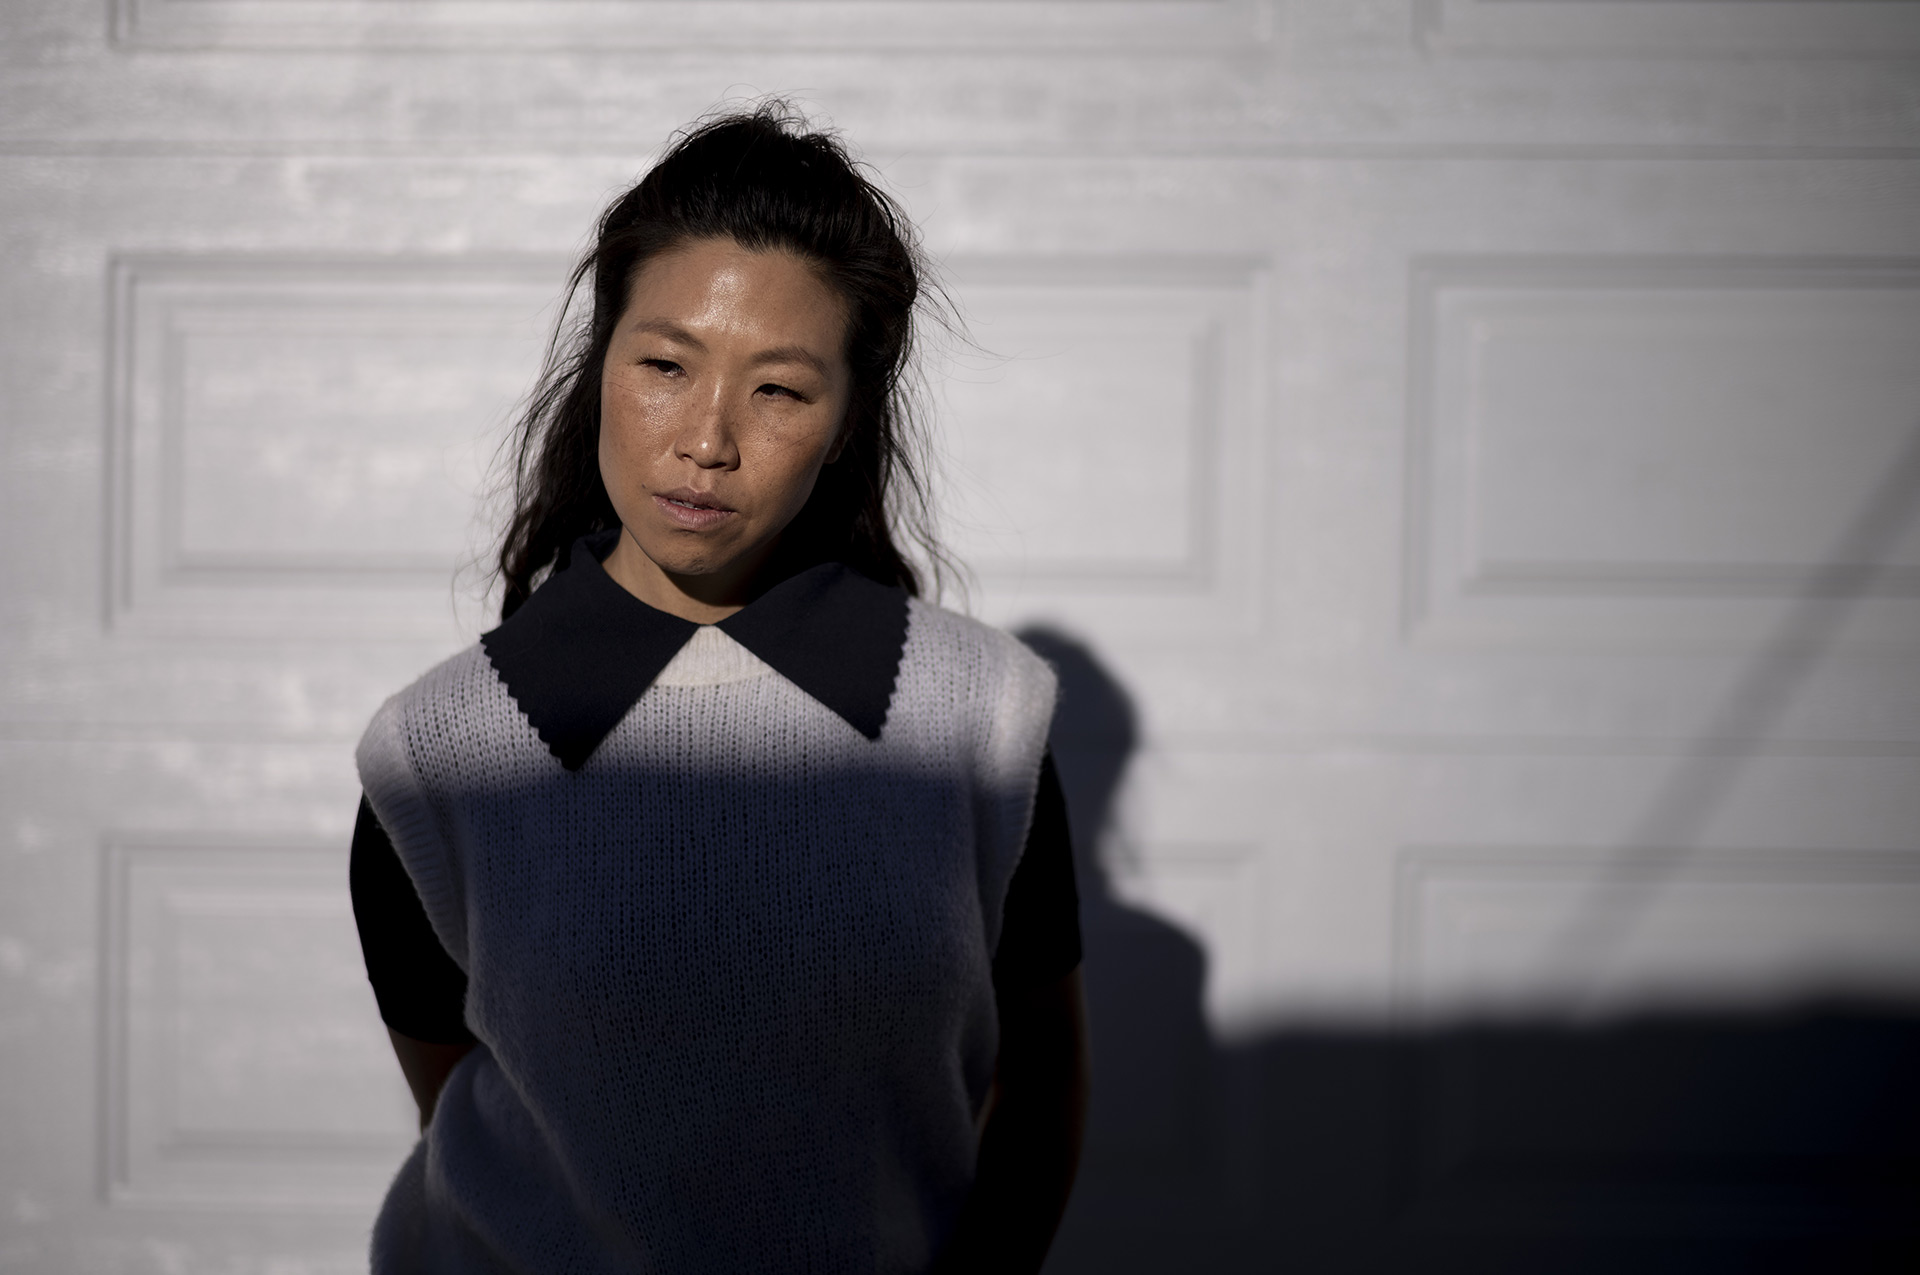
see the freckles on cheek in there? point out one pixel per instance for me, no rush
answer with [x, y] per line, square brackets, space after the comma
[623, 420]
[620, 448]
[632, 413]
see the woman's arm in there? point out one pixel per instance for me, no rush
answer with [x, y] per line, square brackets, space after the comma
[414, 980]
[427, 1066]
[1030, 1145]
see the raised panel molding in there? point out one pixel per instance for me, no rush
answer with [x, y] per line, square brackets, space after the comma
[1861, 28]
[931, 25]
[243, 1065]
[1663, 451]
[1559, 932]
[299, 445]
[1101, 440]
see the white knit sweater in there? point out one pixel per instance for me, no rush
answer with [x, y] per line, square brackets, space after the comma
[730, 978]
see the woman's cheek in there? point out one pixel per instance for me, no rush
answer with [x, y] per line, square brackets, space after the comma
[620, 451]
[628, 421]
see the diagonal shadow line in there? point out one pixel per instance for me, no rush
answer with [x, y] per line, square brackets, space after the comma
[1665, 836]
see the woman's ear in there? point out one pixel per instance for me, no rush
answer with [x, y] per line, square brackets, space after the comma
[839, 442]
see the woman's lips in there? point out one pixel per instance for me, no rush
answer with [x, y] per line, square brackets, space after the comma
[694, 510]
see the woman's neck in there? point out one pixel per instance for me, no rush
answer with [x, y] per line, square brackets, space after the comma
[704, 599]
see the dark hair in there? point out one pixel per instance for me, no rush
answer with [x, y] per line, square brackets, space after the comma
[759, 178]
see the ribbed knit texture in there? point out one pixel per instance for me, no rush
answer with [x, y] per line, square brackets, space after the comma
[730, 979]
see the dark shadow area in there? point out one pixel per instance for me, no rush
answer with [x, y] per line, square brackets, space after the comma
[1780, 1141]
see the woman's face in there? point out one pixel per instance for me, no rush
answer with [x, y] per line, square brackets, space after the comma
[723, 393]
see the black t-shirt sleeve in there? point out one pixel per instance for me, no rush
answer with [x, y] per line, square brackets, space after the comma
[1040, 927]
[421, 992]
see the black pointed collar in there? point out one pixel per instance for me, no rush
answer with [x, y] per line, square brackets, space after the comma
[579, 652]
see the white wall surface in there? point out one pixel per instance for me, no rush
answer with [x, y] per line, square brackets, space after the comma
[1481, 439]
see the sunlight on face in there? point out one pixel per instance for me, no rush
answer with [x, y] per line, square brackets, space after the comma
[722, 395]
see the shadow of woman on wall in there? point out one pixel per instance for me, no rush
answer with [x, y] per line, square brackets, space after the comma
[1148, 1158]
[1781, 1140]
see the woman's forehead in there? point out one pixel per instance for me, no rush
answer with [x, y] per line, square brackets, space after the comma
[715, 290]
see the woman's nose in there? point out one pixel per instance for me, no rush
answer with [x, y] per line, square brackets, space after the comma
[707, 438]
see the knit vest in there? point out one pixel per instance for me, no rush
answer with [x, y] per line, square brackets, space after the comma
[730, 978]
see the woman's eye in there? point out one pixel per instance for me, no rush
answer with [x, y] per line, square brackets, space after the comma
[781, 391]
[667, 366]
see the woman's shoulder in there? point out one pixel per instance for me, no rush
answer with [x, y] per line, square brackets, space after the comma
[448, 678]
[454, 687]
[957, 668]
[949, 637]
[931, 622]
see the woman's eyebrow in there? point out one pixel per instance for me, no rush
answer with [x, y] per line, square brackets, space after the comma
[671, 330]
[778, 354]
[793, 354]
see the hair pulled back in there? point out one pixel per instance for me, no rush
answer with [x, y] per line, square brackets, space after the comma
[760, 178]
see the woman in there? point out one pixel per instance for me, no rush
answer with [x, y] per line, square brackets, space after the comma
[718, 902]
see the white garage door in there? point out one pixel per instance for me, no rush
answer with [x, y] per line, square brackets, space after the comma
[1464, 455]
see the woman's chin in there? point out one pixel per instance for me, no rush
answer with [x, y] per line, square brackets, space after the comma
[693, 562]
